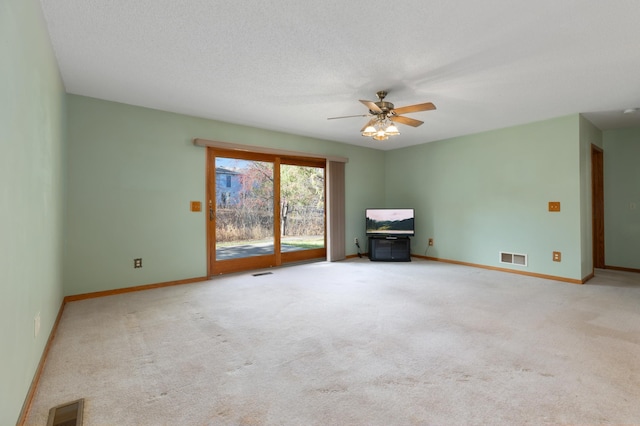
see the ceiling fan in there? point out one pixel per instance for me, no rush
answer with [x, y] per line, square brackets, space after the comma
[384, 115]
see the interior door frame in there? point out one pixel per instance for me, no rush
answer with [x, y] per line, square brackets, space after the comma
[597, 206]
[263, 261]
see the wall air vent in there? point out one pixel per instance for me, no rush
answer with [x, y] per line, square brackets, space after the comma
[513, 258]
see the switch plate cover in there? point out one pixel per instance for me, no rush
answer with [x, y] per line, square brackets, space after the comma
[554, 206]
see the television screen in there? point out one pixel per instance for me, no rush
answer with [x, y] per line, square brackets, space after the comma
[390, 222]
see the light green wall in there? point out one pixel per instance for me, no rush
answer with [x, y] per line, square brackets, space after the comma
[132, 173]
[622, 198]
[32, 197]
[481, 194]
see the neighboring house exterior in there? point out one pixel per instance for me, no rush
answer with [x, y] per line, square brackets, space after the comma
[228, 187]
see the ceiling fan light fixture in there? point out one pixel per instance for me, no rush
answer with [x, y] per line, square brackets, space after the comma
[381, 135]
[392, 130]
[369, 131]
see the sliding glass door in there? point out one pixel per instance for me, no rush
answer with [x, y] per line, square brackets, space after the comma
[244, 208]
[302, 213]
[264, 210]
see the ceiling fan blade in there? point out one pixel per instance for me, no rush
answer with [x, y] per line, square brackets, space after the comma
[405, 120]
[415, 108]
[348, 116]
[372, 106]
[370, 123]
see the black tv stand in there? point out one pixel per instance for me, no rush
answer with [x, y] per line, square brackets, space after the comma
[390, 249]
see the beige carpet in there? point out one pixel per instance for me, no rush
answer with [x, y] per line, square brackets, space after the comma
[354, 343]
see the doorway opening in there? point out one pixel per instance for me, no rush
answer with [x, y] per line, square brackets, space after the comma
[597, 205]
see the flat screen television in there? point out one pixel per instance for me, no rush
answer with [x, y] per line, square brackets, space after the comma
[390, 222]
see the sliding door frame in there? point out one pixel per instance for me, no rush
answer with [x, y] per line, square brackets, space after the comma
[263, 261]
[318, 253]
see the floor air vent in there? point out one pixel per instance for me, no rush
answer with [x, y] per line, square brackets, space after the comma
[513, 258]
[67, 414]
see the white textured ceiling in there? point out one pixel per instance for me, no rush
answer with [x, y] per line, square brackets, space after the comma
[288, 65]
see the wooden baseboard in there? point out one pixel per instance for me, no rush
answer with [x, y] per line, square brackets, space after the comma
[511, 271]
[131, 289]
[620, 268]
[36, 377]
[353, 256]
[588, 277]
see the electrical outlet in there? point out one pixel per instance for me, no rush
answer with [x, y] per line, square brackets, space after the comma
[557, 256]
[430, 241]
[36, 325]
[355, 240]
[137, 263]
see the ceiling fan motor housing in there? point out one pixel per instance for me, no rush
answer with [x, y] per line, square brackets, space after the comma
[386, 107]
